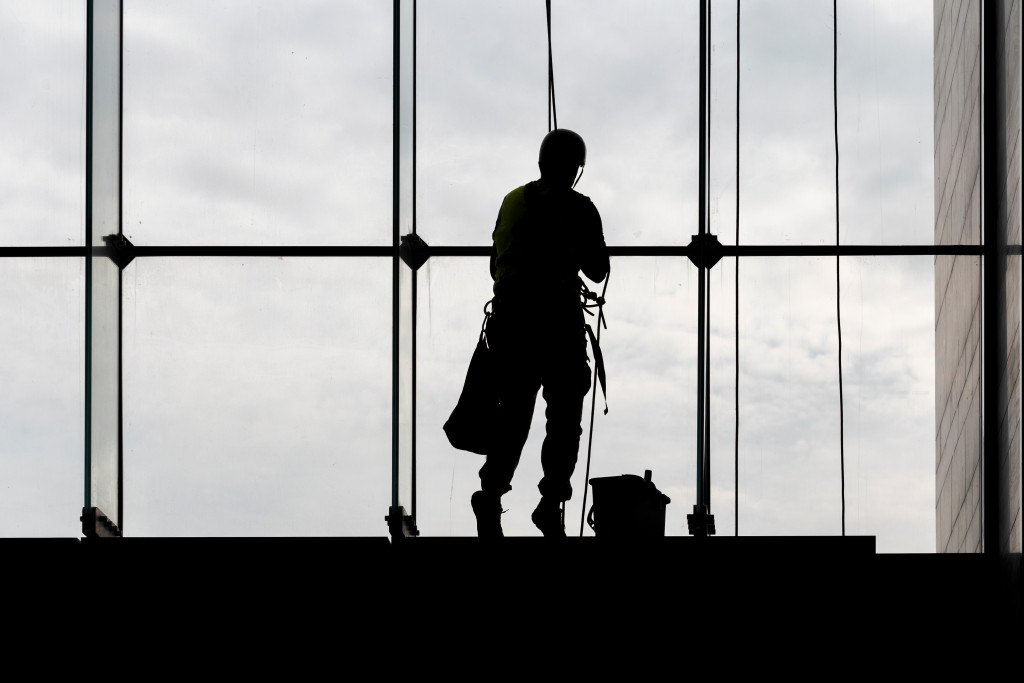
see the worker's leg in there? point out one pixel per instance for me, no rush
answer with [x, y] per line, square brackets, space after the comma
[518, 378]
[516, 414]
[566, 381]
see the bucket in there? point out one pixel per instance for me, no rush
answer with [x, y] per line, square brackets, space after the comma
[627, 506]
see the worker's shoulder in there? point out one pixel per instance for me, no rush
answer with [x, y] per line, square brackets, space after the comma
[567, 195]
[584, 205]
[581, 198]
[516, 195]
[534, 192]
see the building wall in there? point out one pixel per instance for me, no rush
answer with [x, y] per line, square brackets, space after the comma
[959, 474]
[1007, 205]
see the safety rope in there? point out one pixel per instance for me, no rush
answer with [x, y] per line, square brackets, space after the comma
[598, 302]
[707, 383]
[552, 111]
[588, 299]
[839, 324]
[736, 433]
[706, 473]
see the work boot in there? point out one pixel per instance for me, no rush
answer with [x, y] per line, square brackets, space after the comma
[487, 508]
[548, 518]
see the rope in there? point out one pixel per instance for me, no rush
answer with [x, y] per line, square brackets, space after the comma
[599, 303]
[552, 111]
[707, 385]
[707, 298]
[736, 433]
[839, 324]
[601, 322]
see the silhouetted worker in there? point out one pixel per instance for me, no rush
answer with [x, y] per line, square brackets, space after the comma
[546, 233]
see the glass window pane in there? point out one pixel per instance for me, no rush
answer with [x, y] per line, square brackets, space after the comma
[42, 123]
[403, 494]
[649, 349]
[406, 171]
[452, 293]
[889, 400]
[789, 455]
[787, 147]
[722, 124]
[632, 89]
[42, 403]
[404, 486]
[787, 139]
[789, 399]
[722, 347]
[257, 396]
[104, 388]
[106, 121]
[482, 112]
[886, 118]
[258, 122]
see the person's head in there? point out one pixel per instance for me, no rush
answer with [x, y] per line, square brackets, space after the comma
[562, 153]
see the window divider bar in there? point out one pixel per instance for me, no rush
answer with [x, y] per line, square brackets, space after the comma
[379, 251]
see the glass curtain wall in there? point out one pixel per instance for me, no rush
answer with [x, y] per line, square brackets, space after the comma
[257, 323]
[42, 272]
[626, 78]
[269, 162]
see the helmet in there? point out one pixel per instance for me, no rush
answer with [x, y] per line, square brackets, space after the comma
[563, 147]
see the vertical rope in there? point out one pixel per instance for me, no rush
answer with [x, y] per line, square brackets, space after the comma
[593, 402]
[701, 271]
[736, 431]
[707, 392]
[552, 111]
[553, 124]
[553, 119]
[839, 323]
[707, 296]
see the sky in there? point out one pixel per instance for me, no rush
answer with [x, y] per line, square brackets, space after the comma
[257, 392]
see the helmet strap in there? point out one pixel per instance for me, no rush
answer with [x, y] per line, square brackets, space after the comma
[578, 177]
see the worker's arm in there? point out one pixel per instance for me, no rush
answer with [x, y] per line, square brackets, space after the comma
[594, 262]
[494, 248]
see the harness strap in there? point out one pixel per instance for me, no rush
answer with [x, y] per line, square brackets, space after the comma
[488, 312]
[599, 363]
[589, 300]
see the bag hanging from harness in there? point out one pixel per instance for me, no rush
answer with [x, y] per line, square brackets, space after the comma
[473, 424]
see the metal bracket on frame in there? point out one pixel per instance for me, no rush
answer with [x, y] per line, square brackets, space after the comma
[400, 524]
[95, 524]
[119, 242]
